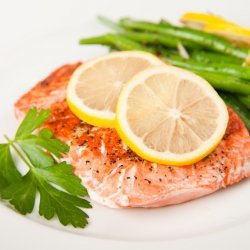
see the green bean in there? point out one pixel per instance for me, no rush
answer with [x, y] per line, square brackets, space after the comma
[163, 51]
[210, 57]
[103, 40]
[158, 39]
[245, 100]
[146, 37]
[237, 106]
[206, 40]
[225, 83]
[222, 68]
[119, 41]
[202, 56]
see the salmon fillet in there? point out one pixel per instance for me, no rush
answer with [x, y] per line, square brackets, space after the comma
[114, 175]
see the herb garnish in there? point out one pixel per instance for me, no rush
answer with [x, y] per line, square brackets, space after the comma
[60, 190]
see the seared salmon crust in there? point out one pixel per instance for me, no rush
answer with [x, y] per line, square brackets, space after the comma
[116, 176]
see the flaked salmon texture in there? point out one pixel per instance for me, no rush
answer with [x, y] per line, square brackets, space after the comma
[114, 175]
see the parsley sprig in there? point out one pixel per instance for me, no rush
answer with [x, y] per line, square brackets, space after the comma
[60, 190]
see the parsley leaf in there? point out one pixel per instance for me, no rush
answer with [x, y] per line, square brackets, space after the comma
[31, 122]
[66, 206]
[34, 146]
[22, 194]
[8, 171]
[38, 157]
[60, 190]
[56, 174]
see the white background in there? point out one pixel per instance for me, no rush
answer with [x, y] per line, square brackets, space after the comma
[21, 20]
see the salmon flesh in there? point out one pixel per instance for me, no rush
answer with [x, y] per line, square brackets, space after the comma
[114, 175]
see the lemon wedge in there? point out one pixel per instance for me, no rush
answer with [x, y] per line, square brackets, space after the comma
[217, 25]
[94, 87]
[171, 116]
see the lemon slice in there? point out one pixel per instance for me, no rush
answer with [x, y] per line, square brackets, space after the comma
[217, 25]
[171, 116]
[94, 87]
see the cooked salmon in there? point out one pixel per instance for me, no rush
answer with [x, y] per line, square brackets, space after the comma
[114, 175]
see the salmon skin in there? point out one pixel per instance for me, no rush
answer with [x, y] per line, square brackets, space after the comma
[114, 175]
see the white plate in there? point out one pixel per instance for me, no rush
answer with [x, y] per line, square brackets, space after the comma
[189, 224]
